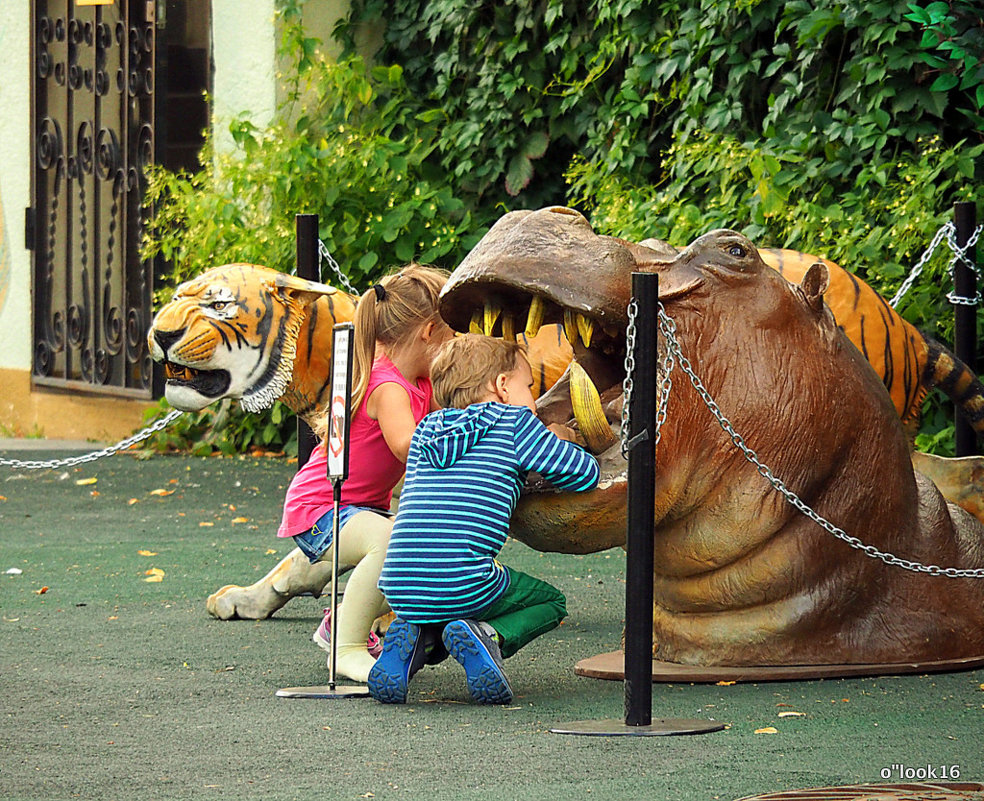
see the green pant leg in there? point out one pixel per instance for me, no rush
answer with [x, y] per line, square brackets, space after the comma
[528, 608]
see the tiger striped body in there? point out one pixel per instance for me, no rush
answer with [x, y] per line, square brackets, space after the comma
[908, 363]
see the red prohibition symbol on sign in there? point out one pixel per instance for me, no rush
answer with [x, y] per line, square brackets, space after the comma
[336, 433]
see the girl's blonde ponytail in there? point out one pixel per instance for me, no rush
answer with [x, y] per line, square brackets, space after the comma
[363, 346]
[388, 313]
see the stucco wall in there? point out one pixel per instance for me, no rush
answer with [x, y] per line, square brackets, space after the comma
[244, 52]
[15, 185]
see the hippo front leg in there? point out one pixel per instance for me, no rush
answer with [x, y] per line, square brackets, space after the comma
[293, 575]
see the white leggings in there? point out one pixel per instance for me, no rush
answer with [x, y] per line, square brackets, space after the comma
[363, 539]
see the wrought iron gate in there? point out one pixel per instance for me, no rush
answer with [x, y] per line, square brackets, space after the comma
[93, 91]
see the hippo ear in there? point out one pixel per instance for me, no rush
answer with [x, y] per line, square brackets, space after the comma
[814, 284]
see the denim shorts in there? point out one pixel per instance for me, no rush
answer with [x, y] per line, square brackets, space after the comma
[317, 539]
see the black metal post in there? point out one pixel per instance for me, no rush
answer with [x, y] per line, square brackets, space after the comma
[639, 546]
[965, 317]
[308, 267]
[641, 483]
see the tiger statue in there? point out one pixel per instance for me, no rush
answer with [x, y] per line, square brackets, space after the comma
[250, 333]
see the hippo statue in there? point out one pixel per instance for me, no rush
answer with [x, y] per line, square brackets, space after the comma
[741, 577]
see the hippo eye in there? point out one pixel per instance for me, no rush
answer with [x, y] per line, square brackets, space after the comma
[738, 251]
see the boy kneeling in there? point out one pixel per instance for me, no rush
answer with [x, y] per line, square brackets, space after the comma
[465, 469]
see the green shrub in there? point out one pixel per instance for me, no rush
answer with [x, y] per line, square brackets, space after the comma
[344, 145]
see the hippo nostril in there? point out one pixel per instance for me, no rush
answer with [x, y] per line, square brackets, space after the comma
[167, 338]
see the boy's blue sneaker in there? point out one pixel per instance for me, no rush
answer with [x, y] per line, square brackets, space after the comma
[403, 655]
[479, 654]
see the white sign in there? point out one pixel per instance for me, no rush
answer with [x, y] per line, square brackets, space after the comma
[341, 395]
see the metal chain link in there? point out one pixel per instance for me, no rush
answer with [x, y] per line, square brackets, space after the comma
[327, 257]
[669, 327]
[630, 339]
[960, 254]
[947, 231]
[33, 464]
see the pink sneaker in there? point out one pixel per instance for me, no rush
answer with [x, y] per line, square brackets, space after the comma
[322, 637]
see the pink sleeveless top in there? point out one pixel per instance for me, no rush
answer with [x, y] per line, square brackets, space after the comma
[373, 469]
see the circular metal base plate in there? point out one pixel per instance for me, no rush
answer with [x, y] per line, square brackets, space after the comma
[324, 691]
[618, 728]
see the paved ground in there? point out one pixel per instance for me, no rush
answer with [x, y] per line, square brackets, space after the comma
[115, 687]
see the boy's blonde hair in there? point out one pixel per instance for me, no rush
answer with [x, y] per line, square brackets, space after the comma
[466, 365]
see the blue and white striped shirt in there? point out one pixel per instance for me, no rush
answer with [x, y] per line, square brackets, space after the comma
[465, 470]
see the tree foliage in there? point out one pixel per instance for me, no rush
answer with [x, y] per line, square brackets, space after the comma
[843, 129]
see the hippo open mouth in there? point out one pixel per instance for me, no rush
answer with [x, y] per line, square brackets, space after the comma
[599, 352]
[209, 383]
[521, 277]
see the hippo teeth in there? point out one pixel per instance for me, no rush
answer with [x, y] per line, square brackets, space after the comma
[585, 327]
[570, 325]
[492, 313]
[508, 328]
[534, 319]
[588, 411]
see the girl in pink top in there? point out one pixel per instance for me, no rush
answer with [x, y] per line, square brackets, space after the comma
[398, 331]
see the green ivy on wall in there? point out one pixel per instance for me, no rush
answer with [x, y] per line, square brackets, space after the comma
[843, 129]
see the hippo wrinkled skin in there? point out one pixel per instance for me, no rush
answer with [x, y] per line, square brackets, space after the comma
[740, 576]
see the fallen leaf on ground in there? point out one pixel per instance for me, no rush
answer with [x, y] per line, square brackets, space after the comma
[272, 551]
[3, 497]
[240, 520]
[94, 493]
[726, 683]
[42, 591]
[792, 714]
[162, 492]
[206, 523]
[132, 501]
[767, 730]
[83, 481]
[155, 574]
[147, 553]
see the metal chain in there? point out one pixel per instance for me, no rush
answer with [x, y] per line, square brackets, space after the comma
[91, 457]
[327, 257]
[668, 327]
[630, 339]
[960, 254]
[947, 231]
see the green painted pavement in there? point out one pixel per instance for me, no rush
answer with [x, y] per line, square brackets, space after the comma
[113, 687]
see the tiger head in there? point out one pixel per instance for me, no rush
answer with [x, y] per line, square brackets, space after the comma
[232, 333]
